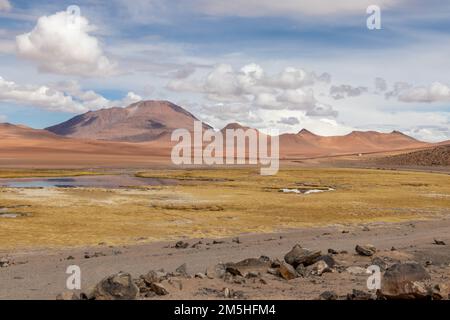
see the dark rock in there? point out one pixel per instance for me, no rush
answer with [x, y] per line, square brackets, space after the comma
[119, 286]
[299, 255]
[404, 281]
[328, 295]
[70, 258]
[367, 250]
[181, 245]
[359, 295]
[332, 251]
[328, 259]
[159, 289]
[377, 261]
[4, 262]
[218, 242]
[439, 242]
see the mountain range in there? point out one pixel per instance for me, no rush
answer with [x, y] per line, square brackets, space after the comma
[143, 130]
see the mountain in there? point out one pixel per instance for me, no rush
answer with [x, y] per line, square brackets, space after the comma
[24, 146]
[139, 122]
[308, 144]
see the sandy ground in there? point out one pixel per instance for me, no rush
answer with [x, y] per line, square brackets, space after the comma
[41, 274]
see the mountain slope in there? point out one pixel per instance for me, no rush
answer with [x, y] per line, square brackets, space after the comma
[307, 144]
[139, 122]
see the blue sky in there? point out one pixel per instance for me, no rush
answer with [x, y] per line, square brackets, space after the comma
[255, 62]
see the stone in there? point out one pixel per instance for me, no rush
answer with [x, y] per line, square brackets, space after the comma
[404, 281]
[328, 295]
[440, 292]
[366, 229]
[377, 261]
[367, 250]
[159, 289]
[218, 271]
[200, 275]
[227, 293]
[356, 270]
[67, 295]
[273, 271]
[119, 286]
[154, 276]
[236, 240]
[4, 262]
[182, 270]
[332, 251]
[302, 271]
[181, 245]
[287, 272]
[439, 242]
[299, 255]
[359, 295]
[319, 268]
[328, 259]
[243, 267]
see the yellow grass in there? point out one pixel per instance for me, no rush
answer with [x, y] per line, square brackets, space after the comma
[215, 203]
[5, 173]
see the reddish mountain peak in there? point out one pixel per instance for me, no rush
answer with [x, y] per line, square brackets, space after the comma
[235, 126]
[306, 132]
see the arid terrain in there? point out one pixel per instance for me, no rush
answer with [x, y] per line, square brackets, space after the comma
[99, 191]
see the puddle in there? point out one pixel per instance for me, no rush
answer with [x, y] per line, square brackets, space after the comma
[106, 181]
[306, 191]
[5, 213]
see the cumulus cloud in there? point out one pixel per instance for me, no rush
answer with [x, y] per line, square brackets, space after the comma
[62, 44]
[436, 92]
[63, 97]
[289, 89]
[344, 91]
[5, 5]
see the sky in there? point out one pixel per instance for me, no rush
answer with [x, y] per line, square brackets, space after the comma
[285, 64]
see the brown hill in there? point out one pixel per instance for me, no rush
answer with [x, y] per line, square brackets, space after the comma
[308, 144]
[139, 122]
[438, 156]
[24, 146]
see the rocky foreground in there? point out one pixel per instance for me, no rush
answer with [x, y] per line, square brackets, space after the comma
[316, 263]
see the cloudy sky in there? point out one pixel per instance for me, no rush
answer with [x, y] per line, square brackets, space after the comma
[289, 64]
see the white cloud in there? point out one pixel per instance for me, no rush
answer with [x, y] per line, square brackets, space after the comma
[287, 90]
[64, 97]
[5, 5]
[3, 118]
[62, 44]
[261, 8]
[436, 92]
[380, 85]
[290, 121]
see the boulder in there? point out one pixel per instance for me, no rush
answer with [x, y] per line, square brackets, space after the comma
[360, 295]
[243, 267]
[404, 281]
[159, 289]
[328, 259]
[377, 261]
[367, 250]
[4, 262]
[319, 268]
[328, 295]
[440, 292]
[181, 245]
[218, 271]
[119, 286]
[299, 255]
[286, 271]
[356, 270]
[182, 270]
[154, 276]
